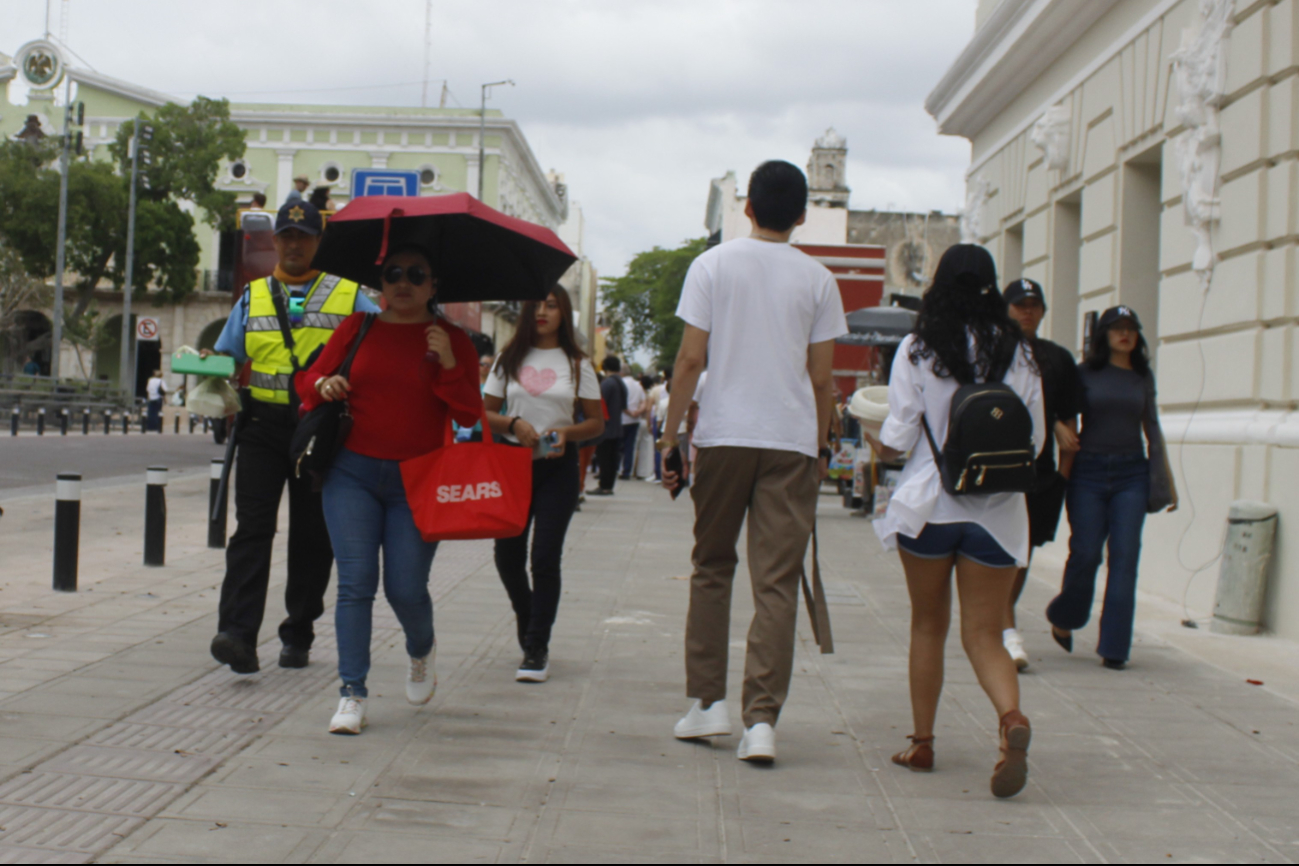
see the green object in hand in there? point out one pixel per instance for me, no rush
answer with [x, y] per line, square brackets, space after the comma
[186, 363]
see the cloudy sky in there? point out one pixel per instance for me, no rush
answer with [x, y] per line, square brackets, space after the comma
[638, 103]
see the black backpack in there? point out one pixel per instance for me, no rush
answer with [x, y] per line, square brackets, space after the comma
[989, 447]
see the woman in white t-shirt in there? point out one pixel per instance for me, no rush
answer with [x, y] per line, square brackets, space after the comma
[963, 332]
[542, 375]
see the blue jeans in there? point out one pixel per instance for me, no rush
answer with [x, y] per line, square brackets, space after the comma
[366, 509]
[1106, 500]
[630, 432]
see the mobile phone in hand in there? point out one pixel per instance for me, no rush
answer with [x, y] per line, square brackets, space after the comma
[674, 463]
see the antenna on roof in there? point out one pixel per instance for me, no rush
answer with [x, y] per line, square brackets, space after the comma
[65, 15]
[428, 53]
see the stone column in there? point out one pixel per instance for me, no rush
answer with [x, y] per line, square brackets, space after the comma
[283, 178]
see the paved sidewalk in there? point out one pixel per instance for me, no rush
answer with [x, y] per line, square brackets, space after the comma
[123, 743]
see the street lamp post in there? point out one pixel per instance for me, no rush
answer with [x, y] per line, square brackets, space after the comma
[482, 130]
[56, 337]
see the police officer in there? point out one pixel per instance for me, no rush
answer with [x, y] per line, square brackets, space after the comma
[311, 304]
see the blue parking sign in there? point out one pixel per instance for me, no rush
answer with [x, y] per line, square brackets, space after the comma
[384, 181]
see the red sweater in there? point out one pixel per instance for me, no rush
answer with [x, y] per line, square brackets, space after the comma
[399, 400]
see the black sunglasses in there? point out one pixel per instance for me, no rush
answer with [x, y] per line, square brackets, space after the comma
[415, 274]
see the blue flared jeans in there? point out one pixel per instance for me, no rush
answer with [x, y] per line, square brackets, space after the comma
[366, 511]
[1106, 501]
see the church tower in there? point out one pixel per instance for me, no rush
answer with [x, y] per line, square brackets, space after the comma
[827, 171]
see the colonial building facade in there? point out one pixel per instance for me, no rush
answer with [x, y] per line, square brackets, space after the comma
[1146, 152]
[326, 144]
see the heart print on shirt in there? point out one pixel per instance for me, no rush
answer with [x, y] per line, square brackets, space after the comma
[537, 382]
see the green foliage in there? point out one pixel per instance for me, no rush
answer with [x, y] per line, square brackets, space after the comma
[641, 305]
[189, 144]
[19, 293]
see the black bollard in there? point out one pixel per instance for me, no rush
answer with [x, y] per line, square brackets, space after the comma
[144, 423]
[67, 531]
[126, 423]
[40, 421]
[14, 420]
[206, 426]
[63, 422]
[216, 509]
[191, 425]
[155, 516]
[85, 422]
[108, 421]
[178, 423]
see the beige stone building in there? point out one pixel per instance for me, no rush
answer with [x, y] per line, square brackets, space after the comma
[1146, 152]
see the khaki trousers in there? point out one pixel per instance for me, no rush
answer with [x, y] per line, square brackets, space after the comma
[777, 490]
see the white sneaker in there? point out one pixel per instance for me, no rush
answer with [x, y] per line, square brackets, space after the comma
[758, 744]
[1015, 646]
[699, 723]
[350, 718]
[422, 679]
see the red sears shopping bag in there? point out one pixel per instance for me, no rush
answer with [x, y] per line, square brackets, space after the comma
[470, 490]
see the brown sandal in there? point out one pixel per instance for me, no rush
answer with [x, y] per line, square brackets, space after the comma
[919, 758]
[1011, 773]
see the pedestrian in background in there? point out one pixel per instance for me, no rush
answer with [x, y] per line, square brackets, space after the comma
[963, 335]
[543, 376]
[631, 423]
[643, 467]
[1027, 305]
[1117, 478]
[31, 368]
[156, 391]
[411, 373]
[614, 394]
[763, 316]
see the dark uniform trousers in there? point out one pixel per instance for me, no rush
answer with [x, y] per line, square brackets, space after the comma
[264, 466]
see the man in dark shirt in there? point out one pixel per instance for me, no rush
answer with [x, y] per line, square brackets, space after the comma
[607, 453]
[1027, 306]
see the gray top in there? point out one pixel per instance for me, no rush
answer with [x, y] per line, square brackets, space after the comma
[1118, 406]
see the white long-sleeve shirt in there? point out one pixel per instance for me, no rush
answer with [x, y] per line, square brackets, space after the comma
[914, 391]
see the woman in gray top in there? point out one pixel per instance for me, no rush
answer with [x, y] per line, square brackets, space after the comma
[1116, 479]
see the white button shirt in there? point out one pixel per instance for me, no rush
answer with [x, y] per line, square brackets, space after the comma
[915, 391]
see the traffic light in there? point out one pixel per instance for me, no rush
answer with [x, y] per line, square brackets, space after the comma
[81, 114]
[145, 153]
[78, 148]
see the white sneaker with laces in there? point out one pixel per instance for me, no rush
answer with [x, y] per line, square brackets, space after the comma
[350, 718]
[699, 723]
[421, 679]
[1015, 646]
[758, 744]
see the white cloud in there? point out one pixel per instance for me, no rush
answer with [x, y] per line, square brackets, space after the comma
[639, 104]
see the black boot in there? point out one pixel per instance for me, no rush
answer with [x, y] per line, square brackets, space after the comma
[230, 650]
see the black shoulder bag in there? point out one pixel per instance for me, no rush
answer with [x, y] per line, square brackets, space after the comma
[322, 432]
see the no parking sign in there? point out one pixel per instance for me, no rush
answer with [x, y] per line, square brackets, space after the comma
[146, 329]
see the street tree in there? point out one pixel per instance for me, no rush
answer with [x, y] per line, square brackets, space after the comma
[641, 305]
[20, 295]
[189, 143]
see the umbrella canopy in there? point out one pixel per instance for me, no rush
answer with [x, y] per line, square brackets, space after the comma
[478, 253]
[878, 326]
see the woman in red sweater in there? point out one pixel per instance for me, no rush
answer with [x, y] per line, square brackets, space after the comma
[412, 371]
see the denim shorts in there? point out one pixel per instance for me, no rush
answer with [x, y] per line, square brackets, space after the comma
[941, 540]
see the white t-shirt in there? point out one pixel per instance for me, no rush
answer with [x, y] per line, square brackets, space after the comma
[635, 399]
[762, 304]
[543, 394]
[699, 388]
[914, 391]
[156, 388]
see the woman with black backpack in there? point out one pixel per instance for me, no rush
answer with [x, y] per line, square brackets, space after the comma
[959, 504]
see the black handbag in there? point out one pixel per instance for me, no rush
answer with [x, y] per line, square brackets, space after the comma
[323, 431]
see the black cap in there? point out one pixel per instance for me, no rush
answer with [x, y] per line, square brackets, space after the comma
[1113, 314]
[301, 215]
[1024, 290]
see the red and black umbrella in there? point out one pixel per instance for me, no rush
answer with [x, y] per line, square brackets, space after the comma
[478, 253]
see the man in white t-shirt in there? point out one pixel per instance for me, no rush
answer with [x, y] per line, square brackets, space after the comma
[631, 418]
[764, 317]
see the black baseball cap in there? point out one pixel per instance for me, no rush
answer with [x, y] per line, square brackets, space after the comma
[1113, 314]
[300, 215]
[1024, 290]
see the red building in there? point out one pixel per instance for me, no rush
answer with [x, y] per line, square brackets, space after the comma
[859, 270]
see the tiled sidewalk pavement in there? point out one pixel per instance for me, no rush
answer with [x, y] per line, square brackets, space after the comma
[1172, 760]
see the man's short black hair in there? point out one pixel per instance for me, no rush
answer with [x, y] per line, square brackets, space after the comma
[778, 192]
[611, 364]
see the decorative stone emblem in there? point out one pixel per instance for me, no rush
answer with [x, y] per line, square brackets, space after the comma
[976, 200]
[40, 64]
[1051, 135]
[1200, 70]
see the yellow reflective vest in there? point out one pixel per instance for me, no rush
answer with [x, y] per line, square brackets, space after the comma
[329, 301]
